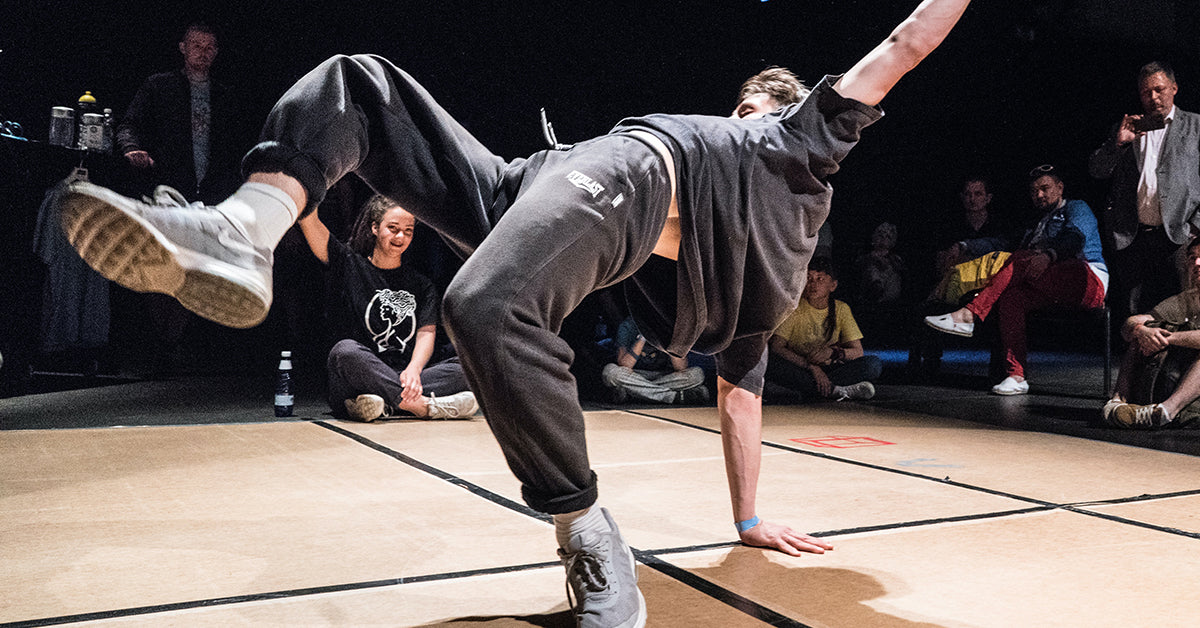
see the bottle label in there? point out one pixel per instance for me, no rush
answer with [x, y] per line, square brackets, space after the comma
[284, 400]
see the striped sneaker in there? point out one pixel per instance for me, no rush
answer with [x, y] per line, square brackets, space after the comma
[1137, 417]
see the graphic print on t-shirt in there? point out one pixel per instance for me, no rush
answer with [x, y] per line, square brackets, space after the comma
[386, 316]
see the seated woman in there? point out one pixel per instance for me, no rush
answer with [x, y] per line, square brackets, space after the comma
[818, 349]
[384, 316]
[1058, 264]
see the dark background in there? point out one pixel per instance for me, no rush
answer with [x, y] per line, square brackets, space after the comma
[1018, 83]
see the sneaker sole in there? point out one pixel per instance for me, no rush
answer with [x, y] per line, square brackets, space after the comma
[128, 250]
[366, 410]
[640, 620]
[1116, 421]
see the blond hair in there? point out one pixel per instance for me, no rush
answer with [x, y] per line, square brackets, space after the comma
[778, 83]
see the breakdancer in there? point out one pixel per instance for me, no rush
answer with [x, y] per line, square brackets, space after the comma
[711, 220]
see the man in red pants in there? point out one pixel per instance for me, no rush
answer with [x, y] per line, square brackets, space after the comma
[1059, 264]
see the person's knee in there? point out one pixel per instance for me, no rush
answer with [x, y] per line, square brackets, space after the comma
[471, 312]
[340, 351]
[611, 375]
[693, 375]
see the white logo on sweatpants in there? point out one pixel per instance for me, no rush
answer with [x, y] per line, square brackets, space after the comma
[585, 183]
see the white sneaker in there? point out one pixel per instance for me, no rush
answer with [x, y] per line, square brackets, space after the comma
[457, 406]
[602, 581]
[1011, 386]
[366, 407]
[946, 324]
[191, 252]
[861, 390]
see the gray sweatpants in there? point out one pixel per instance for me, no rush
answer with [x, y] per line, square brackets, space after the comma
[574, 221]
[354, 369]
[653, 386]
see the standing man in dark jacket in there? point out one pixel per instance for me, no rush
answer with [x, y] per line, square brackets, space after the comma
[178, 130]
[1153, 160]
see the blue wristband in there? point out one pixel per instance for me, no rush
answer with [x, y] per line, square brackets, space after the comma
[742, 526]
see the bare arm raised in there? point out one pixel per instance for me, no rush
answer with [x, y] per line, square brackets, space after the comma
[874, 76]
[317, 235]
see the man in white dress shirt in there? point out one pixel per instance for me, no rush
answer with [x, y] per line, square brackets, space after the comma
[1153, 160]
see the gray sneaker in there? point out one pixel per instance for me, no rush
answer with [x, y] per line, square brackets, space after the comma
[457, 406]
[366, 407]
[602, 581]
[861, 390]
[191, 252]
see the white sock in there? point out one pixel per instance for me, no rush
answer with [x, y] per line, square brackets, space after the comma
[265, 211]
[581, 523]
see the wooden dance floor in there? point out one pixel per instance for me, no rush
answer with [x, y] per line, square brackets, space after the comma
[937, 523]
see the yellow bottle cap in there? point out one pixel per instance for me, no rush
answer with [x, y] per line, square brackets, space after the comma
[87, 97]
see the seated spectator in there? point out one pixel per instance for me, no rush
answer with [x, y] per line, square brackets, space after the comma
[1058, 264]
[880, 270]
[974, 232]
[1159, 381]
[643, 373]
[817, 350]
[384, 318]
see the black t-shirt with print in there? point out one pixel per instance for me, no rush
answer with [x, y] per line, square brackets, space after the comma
[382, 309]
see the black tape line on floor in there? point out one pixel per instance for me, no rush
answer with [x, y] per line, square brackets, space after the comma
[1045, 505]
[438, 473]
[1145, 497]
[274, 595]
[1133, 522]
[717, 592]
[858, 463]
[721, 594]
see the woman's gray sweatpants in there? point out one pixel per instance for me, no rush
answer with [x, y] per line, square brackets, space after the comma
[354, 369]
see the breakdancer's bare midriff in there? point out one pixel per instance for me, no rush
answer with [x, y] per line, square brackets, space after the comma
[668, 241]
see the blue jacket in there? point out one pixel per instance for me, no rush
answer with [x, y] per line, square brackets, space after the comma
[1071, 231]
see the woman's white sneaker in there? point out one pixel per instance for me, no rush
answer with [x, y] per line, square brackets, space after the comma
[457, 406]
